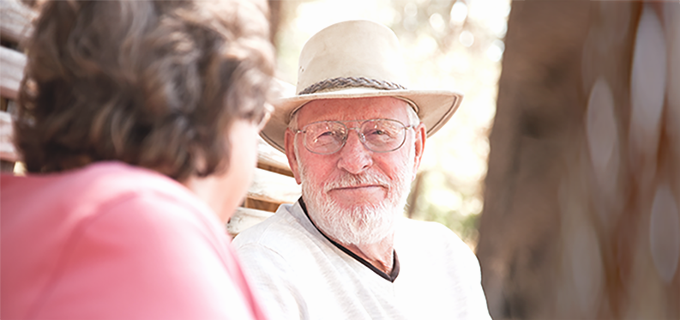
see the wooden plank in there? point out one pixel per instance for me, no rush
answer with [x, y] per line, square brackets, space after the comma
[271, 159]
[12, 65]
[15, 21]
[245, 218]
[273, 187]
[7, 151]
[261, 205]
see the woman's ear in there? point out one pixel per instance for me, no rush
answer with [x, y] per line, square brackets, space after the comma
[289, 143]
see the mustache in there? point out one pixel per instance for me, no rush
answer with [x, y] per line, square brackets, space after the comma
[348, 180]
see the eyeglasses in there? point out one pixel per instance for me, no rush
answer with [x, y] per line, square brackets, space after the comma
[377, 135]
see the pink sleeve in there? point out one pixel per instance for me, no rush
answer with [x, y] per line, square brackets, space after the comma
[146, 257]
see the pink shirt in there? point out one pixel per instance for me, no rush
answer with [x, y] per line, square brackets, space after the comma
[112, 241]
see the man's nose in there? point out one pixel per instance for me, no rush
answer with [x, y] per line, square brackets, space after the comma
[354, 156]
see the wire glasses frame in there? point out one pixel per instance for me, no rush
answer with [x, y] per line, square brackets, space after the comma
[377, 135]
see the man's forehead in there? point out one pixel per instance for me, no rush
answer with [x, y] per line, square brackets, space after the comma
[353, 109]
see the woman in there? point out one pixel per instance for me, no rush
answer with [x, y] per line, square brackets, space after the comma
[138, 126]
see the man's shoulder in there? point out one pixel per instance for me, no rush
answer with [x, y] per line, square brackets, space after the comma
[428, 235]
[432, 245]
[280, 232]
[424, 229]
[281, 247]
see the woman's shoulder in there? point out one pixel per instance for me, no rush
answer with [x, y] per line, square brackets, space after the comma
[133, 230]
[101, 196]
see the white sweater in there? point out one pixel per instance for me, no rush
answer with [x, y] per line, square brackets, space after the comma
[299, 274]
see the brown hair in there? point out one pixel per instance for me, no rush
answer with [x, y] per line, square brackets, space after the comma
[150, 83]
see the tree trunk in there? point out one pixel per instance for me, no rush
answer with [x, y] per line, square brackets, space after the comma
[580, 217]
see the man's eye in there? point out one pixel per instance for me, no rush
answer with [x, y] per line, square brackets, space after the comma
[379, 132]
[327, 136]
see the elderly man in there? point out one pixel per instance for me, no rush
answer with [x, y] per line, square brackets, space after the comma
[354, 138]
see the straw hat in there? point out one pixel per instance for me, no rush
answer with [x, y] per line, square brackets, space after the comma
[356, 59]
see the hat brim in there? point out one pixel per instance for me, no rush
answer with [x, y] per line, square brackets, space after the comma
[435, 108]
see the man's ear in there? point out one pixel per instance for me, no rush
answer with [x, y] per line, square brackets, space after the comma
[289, 143]
[420, 138]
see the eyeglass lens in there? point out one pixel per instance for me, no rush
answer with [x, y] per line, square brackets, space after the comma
[378, 135]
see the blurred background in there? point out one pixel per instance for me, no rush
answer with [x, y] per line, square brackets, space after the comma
[561, 167]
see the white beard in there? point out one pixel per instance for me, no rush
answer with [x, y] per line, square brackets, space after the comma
[360, 225]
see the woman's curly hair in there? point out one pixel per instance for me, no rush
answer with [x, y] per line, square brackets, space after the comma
[150, 83]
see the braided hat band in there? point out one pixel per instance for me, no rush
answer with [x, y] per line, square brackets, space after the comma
[351, 82]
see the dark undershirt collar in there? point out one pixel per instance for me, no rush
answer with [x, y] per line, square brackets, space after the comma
[395, 261]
